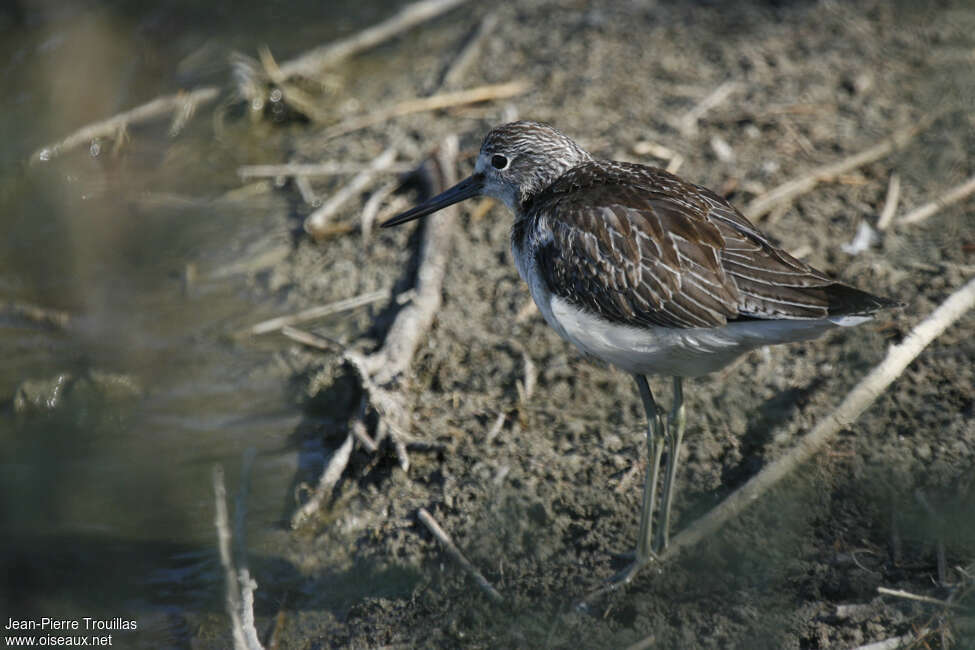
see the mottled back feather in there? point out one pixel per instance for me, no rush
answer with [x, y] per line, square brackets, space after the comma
[637, 245]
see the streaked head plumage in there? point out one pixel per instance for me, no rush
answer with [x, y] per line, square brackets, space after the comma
[517, 161]
[520, 159]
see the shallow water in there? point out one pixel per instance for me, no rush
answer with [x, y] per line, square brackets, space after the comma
[107, 506]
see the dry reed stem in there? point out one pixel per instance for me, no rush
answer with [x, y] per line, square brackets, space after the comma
[183, 104]
[54, 318]
[240, 586]
[895, 642]
[789, 191]
[371, 208]
[955, 194]
[329, 478]
[900, 593]
[457, 556]
[317, 222]
[432, 103]
[274, 324]
[687, 124]
[311, 340]
[328, 168]
[316, 60]
[182, 101]
[890, 202]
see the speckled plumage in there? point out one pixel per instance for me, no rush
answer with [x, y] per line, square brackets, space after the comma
[639, 246]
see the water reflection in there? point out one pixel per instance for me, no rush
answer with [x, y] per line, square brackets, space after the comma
[110, 421]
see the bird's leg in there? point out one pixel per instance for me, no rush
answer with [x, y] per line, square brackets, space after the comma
[655, 448]
[675, 435]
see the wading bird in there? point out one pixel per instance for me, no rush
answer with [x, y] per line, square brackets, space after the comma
[649, 273]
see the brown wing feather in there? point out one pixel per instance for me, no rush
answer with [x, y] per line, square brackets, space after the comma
[639, 246]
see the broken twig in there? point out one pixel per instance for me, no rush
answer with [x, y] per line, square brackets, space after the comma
[317, 221]
[789, 191]
[432, 103]
[313, 169]
[890, 202]
[371, 209]
[330, 477]
[894, 643]
[182, 101]
[313, 313]
[314, 61]
[54, 318]
[953, 195]
[240, 586]
[900, 593]
[311, 340]
[458, 557]
[687, 124]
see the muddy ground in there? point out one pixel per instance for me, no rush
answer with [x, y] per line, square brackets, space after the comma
[546, 508]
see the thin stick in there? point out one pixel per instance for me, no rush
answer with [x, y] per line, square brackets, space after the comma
[306, 191]
[274, 324]
[40, 315]
[238, 595]
[647, 147]
[247, 588]
[314, 61]
[457, 556]
[675, 163]
[387, 404]
[317, 221]
[371, 209]
[113, 125]
[531, 376]
[762, 205]
[900, 593]
[495, 429]
[890, 203]
[222, 522]
[644, 643]
[432, 103]
[311, 340]
[953, 195]
[892, 643]
[359, 431]
[687, 124]
[313, 169]
[261, 260]
[861, 397]
[333, 472]
[184, 103]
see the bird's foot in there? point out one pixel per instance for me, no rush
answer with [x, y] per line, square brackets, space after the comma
[617, 581]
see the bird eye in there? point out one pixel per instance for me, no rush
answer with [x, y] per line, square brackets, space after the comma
[499, 162]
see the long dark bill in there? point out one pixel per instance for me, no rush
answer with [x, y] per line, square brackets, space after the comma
[470, 186]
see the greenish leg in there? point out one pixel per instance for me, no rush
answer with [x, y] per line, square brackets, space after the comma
[655, 448]
[675, 436]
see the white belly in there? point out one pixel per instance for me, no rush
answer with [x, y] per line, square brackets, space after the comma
[655, 350]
